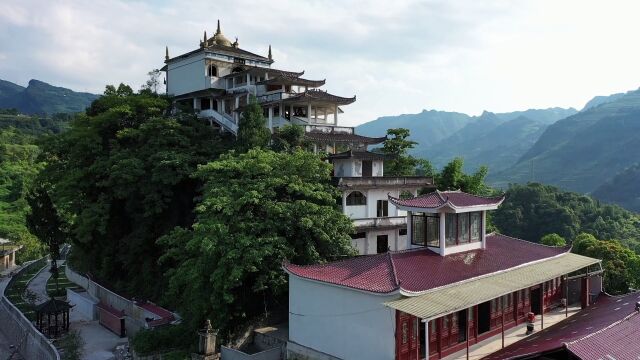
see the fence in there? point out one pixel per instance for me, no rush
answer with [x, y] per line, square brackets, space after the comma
[31, 343]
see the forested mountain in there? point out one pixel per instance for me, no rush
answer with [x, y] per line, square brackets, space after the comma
[497, 140]
[622, 189]
[41, 98]
[585, 150]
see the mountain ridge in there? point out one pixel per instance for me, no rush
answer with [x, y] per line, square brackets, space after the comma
[40, 97]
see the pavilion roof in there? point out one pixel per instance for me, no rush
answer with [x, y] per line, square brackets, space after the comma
[292, 79]
[53, 306]
[359, 154]
[340, 137]
[420, 270]
[261, 70]
[319, 95]
[446, 199]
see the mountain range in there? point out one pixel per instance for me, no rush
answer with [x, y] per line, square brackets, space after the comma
[595, 150]
[41, 98]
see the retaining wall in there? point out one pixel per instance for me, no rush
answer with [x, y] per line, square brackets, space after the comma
[31, 343]
[135, 315]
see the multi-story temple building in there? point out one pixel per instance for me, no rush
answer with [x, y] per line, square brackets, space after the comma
[380, 225]
[454, 287]
[218, 78]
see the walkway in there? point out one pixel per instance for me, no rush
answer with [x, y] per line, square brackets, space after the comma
[38, 286]
[100, 343]
[517, 333]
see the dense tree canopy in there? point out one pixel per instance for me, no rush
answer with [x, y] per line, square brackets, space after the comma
[533, 210]
[553, 239]
[397, 146]
[252, 130]
[452, 177]
[258, 209]
[123, 174]
[621, 265]
[18, 169]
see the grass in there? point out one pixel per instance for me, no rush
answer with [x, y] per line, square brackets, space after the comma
[18, 287]
[63, 282]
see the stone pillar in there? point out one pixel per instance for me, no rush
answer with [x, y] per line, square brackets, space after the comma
[443, 231]
[409, 229]
[206, 343]
[309, 112]
[195, 103]
[271, 118]
[248, 79]
[335, 115]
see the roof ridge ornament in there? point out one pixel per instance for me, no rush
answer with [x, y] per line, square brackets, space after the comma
[270, 57]
[166, 53]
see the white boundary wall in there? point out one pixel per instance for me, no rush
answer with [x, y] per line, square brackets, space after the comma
[33, 345]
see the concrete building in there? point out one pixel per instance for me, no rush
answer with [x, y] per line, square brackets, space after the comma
[454, 287]
[380, 225]
[218, 79]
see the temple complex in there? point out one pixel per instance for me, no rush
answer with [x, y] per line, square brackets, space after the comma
[455, 286]
[218, 78]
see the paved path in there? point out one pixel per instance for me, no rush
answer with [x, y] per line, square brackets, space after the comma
[38, 285]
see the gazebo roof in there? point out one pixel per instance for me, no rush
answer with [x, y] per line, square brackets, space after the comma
[53, 306]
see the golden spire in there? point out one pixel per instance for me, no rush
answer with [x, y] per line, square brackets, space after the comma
[166, 53]
[270, 57]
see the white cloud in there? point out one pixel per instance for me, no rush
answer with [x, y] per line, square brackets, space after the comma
[396, 56]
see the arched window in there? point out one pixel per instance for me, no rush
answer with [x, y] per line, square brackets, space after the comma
[212, 70]
[356, 198]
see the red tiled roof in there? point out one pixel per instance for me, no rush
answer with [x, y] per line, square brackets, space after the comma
[594, 332]
[421, 269]
[453, 199]
[621, 340]
[329, 137]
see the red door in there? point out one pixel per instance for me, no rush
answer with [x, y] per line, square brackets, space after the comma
[407, 342]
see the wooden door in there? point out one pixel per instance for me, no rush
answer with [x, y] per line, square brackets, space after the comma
[407, 342]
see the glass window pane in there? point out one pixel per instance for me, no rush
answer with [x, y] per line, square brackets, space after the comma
[418, 229]
[463, 226]
[433, 231]
[450, 222]
[475, 226]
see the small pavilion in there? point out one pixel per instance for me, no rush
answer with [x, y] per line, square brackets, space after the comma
[52, 317]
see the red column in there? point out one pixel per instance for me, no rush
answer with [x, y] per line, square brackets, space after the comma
[585, 292]
[542, 306]
[502, 303]
[467, 330]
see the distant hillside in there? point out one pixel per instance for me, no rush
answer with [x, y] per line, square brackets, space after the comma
[496, 140]
[622, 189]
[41, 98]
[599, 100]
[585, 150]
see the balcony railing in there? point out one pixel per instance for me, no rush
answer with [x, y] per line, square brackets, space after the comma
[383, 181]
[329, 129]
[380, 222]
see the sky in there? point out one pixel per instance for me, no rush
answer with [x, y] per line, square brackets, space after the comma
[395, 56]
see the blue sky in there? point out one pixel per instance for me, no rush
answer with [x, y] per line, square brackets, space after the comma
[396, 56]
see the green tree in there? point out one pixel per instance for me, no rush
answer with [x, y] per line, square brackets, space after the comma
[289, 138]
[452, 177]
[122, 173]
[153, 82]
[621, 265]
[553, 239]
[252, 130]
[258, 209]
[397, 146]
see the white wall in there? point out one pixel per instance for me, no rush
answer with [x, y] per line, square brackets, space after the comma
[340, 322]
[187, 75]
[377, 168]
[345, 168]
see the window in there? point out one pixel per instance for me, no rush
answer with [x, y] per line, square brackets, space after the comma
[433, 231]
[451, 225]
[212, 70]
[418, 229]
[360, 235]
[356, 198]
[402, 232]
[475, 226]
[463, 228]
[383, 208]
[405, 332]
[382, 245]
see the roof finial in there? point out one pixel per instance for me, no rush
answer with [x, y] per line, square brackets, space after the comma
[218, 29]
[166, 53]
[236, 44]
[269, 56]
[205, 38]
